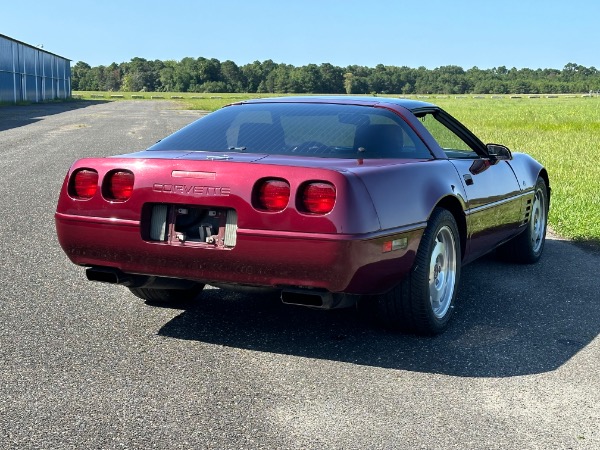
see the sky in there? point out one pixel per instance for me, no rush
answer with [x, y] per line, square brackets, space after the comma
[430, 33]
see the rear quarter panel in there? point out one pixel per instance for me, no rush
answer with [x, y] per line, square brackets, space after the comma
[405, 194]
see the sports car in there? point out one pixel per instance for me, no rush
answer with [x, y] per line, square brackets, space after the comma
[331, 201]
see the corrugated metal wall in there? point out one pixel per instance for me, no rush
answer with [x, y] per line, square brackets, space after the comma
[31, 74]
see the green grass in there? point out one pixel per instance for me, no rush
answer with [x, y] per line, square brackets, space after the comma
[562, 133]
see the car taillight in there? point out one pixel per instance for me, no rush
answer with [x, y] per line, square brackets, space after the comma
[273, 195]
[118, 185]
[318, 197]
[84, 183]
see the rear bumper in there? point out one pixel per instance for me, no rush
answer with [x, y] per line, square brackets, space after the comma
[354, 264]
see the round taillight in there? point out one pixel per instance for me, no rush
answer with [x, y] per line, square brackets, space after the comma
[119, 185]
[84, 183]
[318, 197]
[273, 195]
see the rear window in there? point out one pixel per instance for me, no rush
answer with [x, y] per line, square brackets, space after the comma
[323, 130]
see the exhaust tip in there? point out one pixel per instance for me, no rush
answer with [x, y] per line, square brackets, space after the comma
[302, 298]
[102, 275]
[317, 299]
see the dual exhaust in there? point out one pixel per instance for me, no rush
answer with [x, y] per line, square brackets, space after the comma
[116, 276]
[291, 296]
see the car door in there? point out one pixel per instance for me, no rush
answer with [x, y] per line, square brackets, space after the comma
[494, 201]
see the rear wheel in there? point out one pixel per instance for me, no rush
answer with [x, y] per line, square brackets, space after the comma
[424, 301]
[168, 296]
[527, 247]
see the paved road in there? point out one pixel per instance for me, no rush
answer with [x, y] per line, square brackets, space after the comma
[85, 365]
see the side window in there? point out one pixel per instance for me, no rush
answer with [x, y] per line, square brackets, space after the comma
[452, 144]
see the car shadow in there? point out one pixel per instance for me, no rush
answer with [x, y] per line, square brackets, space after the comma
[591, 245]
[15, 116]
[510, 320]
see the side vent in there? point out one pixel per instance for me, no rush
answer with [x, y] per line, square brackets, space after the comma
[158, 225]
[527, 212]
[230, 228]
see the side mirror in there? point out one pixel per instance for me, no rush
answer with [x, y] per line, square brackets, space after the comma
[499, 152]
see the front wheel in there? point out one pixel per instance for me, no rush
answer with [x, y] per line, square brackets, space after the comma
[527, 247]
[423, 302]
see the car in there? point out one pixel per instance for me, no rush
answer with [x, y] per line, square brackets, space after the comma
[333, 201]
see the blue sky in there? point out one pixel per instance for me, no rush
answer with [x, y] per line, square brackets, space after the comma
[486, 34]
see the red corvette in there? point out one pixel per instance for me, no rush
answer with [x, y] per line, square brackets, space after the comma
[326, 199]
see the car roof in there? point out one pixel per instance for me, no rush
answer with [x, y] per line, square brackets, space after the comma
[344, 100]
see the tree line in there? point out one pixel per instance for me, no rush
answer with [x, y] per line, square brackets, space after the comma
[211, 76]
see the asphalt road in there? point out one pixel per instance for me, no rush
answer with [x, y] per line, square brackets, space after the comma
[86, 365]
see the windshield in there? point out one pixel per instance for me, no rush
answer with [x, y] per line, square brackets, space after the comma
[323, 130]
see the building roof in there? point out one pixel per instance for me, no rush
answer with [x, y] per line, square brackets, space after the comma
[31, 46]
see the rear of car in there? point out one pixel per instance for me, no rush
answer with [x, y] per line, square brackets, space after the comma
[261, 194]
[328, 200]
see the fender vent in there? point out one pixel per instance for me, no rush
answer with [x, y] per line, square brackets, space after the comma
[527, 212]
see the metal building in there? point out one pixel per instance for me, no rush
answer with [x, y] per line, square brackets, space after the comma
[31, 74]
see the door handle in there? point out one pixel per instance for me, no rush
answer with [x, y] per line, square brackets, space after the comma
[468, 179]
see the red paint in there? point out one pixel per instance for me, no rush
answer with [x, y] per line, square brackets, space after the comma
[302, 221]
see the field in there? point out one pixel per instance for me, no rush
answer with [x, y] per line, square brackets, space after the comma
[562, 133]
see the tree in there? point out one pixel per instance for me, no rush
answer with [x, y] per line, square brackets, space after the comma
[209, 69]
[279, 80]
[309, 79]
[232, 76]
[141, 74]
[210, 75]
[253, 74]
[78, 75]
[379, 80]
[113, 78]
[185, 75]
[348, 82]
[167, 76]
[332, 79]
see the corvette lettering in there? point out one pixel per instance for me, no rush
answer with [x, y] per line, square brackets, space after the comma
[187, 189]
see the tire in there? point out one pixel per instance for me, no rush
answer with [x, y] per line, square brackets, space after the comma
[423, 302]
[527, 247]
[166, 297]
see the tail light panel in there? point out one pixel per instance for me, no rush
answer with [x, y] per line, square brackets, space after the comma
[118, 185]
[316, 197]
[83, 184]
[271, 194]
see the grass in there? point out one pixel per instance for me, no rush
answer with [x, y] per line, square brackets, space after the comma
[562, 133]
